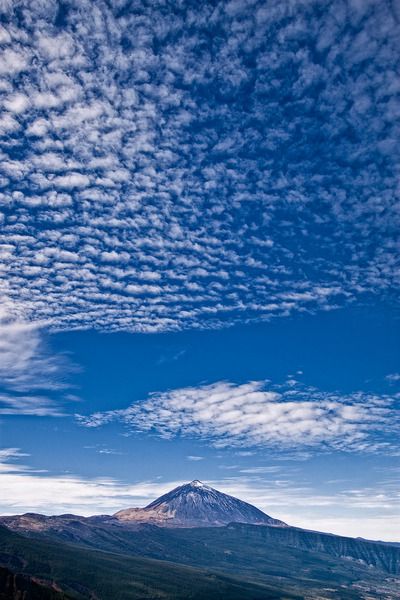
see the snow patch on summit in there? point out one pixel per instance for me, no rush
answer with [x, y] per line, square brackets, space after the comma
[198, 484]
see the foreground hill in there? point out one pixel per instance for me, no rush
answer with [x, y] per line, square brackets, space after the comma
[80, 574]
[254, 554]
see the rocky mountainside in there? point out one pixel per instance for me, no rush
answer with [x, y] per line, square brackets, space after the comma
[197, 505]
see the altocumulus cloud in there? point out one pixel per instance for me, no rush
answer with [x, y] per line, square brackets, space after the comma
[260, 414]
[171, 165]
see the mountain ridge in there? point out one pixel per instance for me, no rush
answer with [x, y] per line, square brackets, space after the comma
[285, 559]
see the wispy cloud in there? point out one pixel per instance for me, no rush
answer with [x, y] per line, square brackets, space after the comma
[393, 377]
[24, 489]
[25, 362]
[260, 470]
[260, 414]
[166, 358]
[151, 181]
[7, 456]
[29, 372]
[40, 406]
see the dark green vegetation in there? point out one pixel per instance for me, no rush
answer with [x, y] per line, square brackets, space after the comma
[82, 573]
[89, 558]
[14, 586]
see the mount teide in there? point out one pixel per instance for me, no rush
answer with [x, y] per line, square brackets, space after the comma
[197, 505]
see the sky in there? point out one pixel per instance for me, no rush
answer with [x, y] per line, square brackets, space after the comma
[199, 266]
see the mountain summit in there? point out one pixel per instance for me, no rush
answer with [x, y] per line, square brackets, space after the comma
[195, 504]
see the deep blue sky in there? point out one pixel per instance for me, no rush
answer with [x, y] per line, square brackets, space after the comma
[199, 212]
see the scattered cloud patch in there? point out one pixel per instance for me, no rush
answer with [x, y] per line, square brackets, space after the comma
[393, 377]
[261, 414]
[166, 358]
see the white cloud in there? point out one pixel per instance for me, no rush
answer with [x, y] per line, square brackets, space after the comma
[60, 46]
[38, 127]
[17, 103]
[72, 180]
[259, 414]
[8, 124]
[13, 61]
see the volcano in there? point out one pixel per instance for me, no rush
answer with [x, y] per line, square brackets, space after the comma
[195, 504]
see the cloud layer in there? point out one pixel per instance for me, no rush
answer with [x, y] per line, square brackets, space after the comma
[260, 414]
[170, 166]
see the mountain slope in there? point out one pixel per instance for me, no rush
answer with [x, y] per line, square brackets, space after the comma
[194, 505]
[83, 574]
[182, 544]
